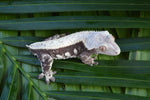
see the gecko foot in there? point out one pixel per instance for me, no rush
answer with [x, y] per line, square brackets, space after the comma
[91, 62]
[48, 76]
[95, 63]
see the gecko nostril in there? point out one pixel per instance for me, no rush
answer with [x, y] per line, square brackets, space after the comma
[117, 52]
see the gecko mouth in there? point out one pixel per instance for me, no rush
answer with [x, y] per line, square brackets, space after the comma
[117, 52]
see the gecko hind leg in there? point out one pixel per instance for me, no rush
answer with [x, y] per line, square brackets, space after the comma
[46, 64]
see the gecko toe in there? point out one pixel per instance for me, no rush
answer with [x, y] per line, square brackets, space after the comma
[49, 76]
[41, 76]
[47, 81]
[54, 72]
[95, 63]
[53, 79]
[95, 58]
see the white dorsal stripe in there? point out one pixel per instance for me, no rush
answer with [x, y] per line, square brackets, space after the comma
[91, 39]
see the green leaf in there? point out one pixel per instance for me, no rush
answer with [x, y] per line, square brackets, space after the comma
[17, 66]
[121, 80]
[1, 63]
[108, 66]
[1, 74]
[105, 66]
[27, 91]
[28, 59]
[73, 5]
[15, 91]
[133, 44]
[79, 95]
[8, 90]
[140, 55]
[74, 22]
[21, 41]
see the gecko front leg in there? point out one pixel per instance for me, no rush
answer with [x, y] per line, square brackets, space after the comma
[87, 59]
[46, 64]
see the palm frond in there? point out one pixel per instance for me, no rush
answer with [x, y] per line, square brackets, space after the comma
[73, 5]
[17, 66]
[25, 22]
[73, 95]
[74, 22]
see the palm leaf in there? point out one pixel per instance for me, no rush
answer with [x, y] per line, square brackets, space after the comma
[73, 5]
[1, 64]
[74, 22]
[140, 55]
[27, 92]
[10, 83]
[23, 72]
[133, 44]
[128, 76]
[72, 95]
[21, 41]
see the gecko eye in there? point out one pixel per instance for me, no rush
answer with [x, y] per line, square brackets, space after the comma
[103, 48]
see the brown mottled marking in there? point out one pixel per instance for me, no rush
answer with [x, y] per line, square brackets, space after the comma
[46, 62]
[82, 53]
[61, 51]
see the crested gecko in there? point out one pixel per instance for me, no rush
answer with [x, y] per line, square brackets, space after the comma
[80, 44]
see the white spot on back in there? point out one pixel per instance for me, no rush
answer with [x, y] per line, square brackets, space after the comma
[35, 54]
[59, 56]
[67, 54]
[75, 51]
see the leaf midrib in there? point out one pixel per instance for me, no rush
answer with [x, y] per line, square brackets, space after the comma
[15, 69]
[78, 21]
[92, 3]
[82, 96]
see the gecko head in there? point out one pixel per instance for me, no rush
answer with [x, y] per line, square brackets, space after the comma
[109, 46]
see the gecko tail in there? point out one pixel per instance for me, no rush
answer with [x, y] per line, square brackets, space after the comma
[28, 46]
